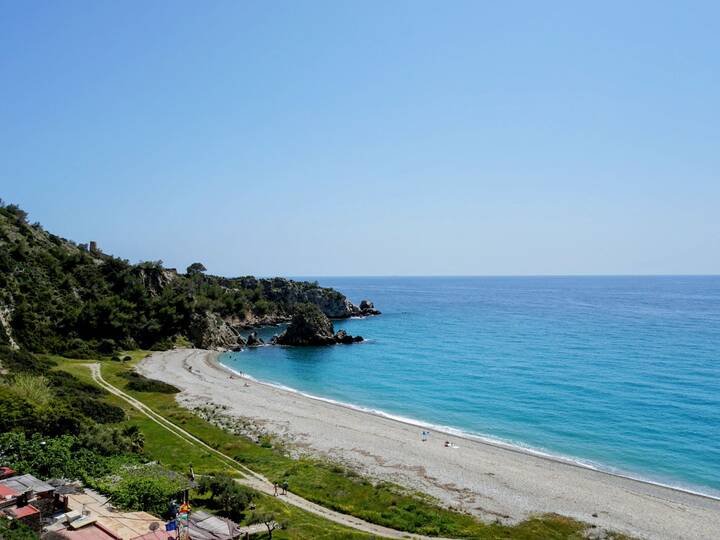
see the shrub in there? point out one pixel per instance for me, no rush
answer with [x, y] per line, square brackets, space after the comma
[15, 530]
[144, 488]
[227, 494]
[99, 411]
[23, 361]
[140, 383]
[33, 388]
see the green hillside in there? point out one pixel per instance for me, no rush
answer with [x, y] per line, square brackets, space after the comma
[60, 297]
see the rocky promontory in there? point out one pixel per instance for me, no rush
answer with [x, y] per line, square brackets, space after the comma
[108, 305]
[209, 331]
[287, 293]
[310, 326]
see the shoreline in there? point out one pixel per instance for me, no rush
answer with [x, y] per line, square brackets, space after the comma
[460, 434]
[492, 480]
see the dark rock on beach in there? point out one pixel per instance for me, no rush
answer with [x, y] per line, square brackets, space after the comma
[310, 326]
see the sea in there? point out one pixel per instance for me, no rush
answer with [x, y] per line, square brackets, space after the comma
[620, 374]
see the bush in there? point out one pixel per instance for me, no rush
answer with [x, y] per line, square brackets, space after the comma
[99, 411]
[108, 441]
[33, 388]
[15, 530]
[230, 497]
[23, 361]
[65, 384]
[42, 456]
[107, 346]
[19, 414]
[140, 383]
[57, 457]
[145, 488]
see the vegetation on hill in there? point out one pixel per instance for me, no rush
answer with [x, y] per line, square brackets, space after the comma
[55, 425]
[65, 298]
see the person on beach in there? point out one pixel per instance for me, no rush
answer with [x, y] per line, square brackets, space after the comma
[275, 487]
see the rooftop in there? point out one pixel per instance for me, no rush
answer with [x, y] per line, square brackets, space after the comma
[23, 511]
[122, 524]
[25, 482]
[7, 492]
[89, 532]
[158, 535]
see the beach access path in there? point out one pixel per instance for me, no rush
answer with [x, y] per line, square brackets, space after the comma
[251, 478]
[492, 481]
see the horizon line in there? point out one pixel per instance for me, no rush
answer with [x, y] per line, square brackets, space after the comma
[293, 276]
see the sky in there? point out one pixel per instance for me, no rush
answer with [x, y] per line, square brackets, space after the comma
[369, 138]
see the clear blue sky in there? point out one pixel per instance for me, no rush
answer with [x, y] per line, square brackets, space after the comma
[353, 138]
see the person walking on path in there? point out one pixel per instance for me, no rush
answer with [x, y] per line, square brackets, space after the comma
[275, 487]
[285, 487]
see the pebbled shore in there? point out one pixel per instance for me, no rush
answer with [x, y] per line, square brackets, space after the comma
[491, 481]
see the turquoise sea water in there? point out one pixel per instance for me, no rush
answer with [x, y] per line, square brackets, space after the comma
[622, 373]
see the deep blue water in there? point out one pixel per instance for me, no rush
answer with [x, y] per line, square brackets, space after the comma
[619, 372]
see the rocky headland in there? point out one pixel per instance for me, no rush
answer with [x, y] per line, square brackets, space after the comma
[106, 304]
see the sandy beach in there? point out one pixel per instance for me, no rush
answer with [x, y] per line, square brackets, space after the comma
[491, 481]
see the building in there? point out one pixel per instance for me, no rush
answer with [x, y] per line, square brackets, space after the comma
[88, 514]
[26, 498]
[28, 514]
[204, 526]
[75, 526]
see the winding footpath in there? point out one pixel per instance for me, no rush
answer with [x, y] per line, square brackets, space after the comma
[251, 478]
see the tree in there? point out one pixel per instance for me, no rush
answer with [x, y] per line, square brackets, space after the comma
[147, 488]
[267, 519]
[15, 530]
[231, 497]
[196, 269]
[137, 439]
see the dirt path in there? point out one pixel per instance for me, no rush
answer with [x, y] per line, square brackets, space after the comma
[251, 478]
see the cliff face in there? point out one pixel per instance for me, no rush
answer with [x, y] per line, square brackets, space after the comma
[154, 278]
[208, 331]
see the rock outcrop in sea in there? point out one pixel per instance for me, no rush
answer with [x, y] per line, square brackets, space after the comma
[253, 340]
[310, 326]
[366, 308]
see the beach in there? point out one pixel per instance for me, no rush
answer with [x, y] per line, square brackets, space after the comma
[489, 480]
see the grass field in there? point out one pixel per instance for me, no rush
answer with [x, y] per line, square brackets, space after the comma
[322, 482]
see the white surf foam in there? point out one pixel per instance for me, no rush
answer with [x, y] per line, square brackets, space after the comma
[514, 446]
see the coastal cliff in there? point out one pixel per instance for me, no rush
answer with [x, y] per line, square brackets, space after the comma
[60, 297]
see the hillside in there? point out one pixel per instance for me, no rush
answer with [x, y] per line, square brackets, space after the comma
[60, 297]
